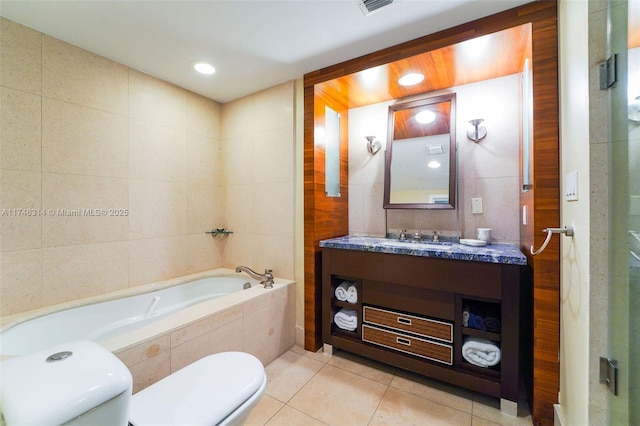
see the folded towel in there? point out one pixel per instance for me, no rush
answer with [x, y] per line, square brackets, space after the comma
[478, 323]
[346, 319]
[341, 290]
[480, 352]
[465, 315]
[492, 324]
[352, 293]
[492, 318]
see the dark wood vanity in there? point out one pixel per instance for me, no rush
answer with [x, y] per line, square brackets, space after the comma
[410, 312]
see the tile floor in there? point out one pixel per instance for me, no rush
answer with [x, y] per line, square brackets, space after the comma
[306, 388]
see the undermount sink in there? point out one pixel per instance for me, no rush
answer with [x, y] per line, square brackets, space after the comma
[421, 245]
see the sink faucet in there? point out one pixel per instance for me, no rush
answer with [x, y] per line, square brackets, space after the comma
[266, 279]
[436, 237]
[418, 235]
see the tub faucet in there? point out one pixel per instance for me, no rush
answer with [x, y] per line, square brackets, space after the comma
[266, 279]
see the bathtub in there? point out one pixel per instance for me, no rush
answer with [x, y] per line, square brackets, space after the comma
[124, 319]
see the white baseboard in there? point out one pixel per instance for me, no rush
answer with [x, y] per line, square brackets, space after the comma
[299, 336]
[558, 415]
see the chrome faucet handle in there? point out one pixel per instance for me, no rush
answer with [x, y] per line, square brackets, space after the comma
[418, 235]
[403, 235]
[436, 237]
[268, 281]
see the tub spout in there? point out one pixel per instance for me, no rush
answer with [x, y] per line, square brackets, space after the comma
[266, 279]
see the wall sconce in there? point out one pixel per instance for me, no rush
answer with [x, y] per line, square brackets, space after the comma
[373, 145]
[477, 132]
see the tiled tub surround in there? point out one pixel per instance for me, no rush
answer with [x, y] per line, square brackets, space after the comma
[493, 253]
[258, 321]
[81, 131]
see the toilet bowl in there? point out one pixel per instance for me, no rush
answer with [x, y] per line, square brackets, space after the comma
[81, 383]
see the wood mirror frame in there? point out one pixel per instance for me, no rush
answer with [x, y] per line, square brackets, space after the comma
[415, 138]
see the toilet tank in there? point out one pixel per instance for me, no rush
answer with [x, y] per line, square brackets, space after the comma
[76, 383]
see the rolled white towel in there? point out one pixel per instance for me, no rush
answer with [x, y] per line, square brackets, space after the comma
[346, 319]
[352, 293]
[481, 352]
[341, 291]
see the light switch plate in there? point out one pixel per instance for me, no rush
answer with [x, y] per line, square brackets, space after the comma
[476, 205]
[571, 186]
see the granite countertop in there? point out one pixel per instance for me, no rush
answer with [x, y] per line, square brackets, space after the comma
[493, 253]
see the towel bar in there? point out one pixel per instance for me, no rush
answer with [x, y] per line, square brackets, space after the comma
[567, 230]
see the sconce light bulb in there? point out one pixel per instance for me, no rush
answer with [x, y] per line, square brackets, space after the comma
[477, 132]
[373, 145]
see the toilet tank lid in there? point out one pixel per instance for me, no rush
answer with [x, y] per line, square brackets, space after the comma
[202, 393]
[57, 384]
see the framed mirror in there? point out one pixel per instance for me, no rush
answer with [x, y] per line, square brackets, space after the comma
[420, 167]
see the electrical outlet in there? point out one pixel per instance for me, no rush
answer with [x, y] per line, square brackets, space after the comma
[476, 205]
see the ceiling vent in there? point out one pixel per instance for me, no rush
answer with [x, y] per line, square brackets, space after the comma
[370, 6]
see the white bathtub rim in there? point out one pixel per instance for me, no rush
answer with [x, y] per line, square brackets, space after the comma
[186, 317]
[227, 301]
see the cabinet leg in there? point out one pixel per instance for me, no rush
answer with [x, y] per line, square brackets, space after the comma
[509, 408]
[327, 349]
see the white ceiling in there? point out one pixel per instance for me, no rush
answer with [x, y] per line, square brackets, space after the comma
[253, 44]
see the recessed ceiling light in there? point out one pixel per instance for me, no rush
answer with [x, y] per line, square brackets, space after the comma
[434, 164]
[425, 117]
[203, 67]
[410, 79]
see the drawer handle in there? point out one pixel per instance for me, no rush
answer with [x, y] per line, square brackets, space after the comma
[403, 341]
[405, 321]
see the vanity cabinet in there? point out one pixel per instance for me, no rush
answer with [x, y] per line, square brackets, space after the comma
[411, 313]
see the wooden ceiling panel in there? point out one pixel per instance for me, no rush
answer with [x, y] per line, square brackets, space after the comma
[494, 55]
[406, 127]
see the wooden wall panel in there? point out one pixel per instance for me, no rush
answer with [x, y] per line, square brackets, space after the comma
[546, 213]
[323, 220]
[324, 217]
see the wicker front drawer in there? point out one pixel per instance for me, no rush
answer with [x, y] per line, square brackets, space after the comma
[412, 345]
[422, 326]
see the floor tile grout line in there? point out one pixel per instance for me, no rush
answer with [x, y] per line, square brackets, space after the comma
[306, 414]
[373, 415]
[388, 386]
[303, 385]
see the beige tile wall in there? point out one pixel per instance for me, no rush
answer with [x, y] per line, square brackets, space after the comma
[82, 132]
[258, 175]
[487, 170]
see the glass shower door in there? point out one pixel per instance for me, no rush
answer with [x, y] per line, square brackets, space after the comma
[624, 280]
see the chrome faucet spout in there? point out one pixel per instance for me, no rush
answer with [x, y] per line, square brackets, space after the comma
[265, 279]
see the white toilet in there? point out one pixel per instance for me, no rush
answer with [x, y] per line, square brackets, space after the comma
[81, 383]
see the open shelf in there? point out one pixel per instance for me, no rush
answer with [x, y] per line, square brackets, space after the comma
[496, 337]
[342, 304]
[408, 300]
